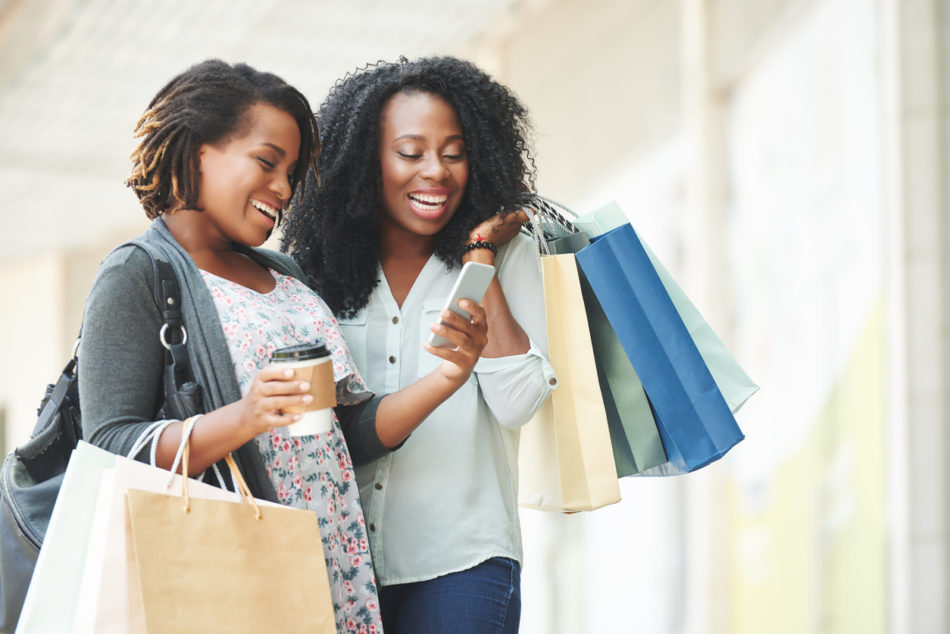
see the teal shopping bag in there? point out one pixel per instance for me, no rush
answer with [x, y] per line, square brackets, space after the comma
[694, 420]
[732, 381]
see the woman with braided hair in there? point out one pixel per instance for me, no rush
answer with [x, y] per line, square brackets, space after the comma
[422, 166]
[222, 150]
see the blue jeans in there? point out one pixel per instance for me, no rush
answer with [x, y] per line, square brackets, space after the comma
[485, 599]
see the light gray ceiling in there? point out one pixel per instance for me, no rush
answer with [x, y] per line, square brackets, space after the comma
[75, 75]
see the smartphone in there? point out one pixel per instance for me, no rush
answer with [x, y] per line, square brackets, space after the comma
[471, 284]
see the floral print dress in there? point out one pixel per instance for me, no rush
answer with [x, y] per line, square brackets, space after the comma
[309, 472]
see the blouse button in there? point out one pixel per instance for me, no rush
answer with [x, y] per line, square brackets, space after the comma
[379, 486]
[372, 527]
[396, 320]
[551, 381]
[392, 359]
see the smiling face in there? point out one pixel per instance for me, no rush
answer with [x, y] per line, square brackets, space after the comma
[424, 164]
[245, 180]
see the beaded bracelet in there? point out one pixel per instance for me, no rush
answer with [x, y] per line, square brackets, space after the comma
[482, 244]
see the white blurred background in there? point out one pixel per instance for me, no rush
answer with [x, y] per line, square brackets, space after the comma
[789, 162]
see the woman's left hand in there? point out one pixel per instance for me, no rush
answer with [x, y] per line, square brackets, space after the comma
[498, 230]
[469, 337]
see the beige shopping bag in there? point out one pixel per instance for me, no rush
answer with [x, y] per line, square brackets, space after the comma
[565, 458]
[102, 605]
[224, 566]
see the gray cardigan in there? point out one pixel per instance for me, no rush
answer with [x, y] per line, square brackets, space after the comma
[121, 359]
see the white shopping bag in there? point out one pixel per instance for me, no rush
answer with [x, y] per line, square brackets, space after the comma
[50, 601]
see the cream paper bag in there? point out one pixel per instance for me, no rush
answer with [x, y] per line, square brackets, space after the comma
[565, 457]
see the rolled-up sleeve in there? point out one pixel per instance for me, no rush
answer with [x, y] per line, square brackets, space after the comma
[514, 387]
[358, 423]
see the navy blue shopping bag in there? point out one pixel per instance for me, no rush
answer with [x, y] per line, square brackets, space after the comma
[696, 425]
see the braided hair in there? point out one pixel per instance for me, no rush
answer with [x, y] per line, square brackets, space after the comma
[333, 228]
[207, 104]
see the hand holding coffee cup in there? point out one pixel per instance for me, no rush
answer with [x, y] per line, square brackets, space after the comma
[311, 363]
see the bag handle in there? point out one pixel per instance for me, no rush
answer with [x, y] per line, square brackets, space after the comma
[151, 435]
[184, 451]
[242, 485]
[545, 213]
[551, 211]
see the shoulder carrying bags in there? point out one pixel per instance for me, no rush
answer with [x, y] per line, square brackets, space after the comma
[32, 474]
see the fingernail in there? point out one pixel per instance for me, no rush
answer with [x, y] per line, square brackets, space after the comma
[288, 373]
[307, 399]
[304, 387]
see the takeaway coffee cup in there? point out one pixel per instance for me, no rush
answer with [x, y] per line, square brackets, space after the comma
[310, 362]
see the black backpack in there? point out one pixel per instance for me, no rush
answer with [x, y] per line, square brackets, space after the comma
[32, 474]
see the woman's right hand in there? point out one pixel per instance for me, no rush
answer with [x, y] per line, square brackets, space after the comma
[273, 390]
[469, 337]
[401, 412]
[227, 428]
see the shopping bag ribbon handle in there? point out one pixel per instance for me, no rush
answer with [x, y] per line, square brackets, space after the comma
[185, 449]
[242, 485]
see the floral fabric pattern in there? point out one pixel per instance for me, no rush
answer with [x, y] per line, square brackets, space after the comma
[309, 472]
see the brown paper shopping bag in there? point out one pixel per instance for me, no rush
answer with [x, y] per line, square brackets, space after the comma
[102, 605]
[225, 566]
[565, 457]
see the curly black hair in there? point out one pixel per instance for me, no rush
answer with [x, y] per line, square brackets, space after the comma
[207, 104]
[333, 228]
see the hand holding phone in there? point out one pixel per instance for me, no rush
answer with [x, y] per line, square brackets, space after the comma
[471, 284]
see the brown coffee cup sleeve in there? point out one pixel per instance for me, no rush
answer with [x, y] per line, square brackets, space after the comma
[322, 378]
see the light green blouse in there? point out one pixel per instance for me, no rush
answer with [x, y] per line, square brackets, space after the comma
[447, 499]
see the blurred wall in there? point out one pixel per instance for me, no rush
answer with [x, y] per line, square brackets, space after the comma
[30, 331]
[44, 295]
[787, 161]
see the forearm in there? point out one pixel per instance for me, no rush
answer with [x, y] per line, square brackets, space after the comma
[358, 423]
[401, 412]
[505, 336]
[215, 435]
[515, 387]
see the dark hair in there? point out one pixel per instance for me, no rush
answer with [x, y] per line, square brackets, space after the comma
[207, 104]
[333, 228]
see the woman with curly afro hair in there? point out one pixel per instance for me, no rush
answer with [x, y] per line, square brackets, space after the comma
[422, 167]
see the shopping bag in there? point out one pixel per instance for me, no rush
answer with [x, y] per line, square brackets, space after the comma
[634, 438]
[90, 587]
[102, 604]
[213, 565]
[732, 381]
[59, 567]
[695, 422]
[565, 457]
